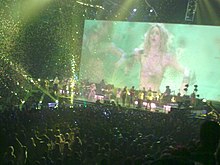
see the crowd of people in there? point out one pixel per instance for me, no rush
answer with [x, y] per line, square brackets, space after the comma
[94, 133]
[103, 134]
[100, 134]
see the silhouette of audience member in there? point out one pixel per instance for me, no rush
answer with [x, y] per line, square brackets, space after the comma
[9, 156]
[172, 160]
[124, 95]
[209, 140]
[218, 156]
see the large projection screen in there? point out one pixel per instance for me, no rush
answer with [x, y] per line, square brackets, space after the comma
[152, 55]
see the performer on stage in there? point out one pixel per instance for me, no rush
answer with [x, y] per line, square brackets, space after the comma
[55, 85]
[118, 95]
[140, 98]
[102, 87]
[92, 92]
[47, 84]
[167, 91]
[193, 99]
[124, 95]
[109, 92]
[149, 98]
[145, 93]
[179, 100]
[167, 95]
[132, 95]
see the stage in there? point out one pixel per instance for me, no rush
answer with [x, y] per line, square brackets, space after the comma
[167, 108]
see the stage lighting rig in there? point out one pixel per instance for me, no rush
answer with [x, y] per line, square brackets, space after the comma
[191, 10]
[186, 87]
[195, 88]
[152, 11]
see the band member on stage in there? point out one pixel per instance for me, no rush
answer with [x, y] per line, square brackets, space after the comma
[55, 85]
[145, 93]
[149, 98]
[118, 95]
[179, 100]
[140, 98]
[167, 91]
[124, 95]
[132, 95]
[47, 84]
[167, 95]
[109, 92]
[63, 86]
[92, 92]
[193, 99]
[102, 87]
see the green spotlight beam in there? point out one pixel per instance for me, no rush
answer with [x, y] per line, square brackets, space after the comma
[123, 10]
[31, 8]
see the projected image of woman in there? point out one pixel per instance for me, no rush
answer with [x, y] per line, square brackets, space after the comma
[155, 57]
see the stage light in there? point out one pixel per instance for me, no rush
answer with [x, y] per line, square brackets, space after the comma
[152, 10]
[153, 105]
[144, 103]
[167, 108]
[204, 100]
[196, 90]
[136, 102]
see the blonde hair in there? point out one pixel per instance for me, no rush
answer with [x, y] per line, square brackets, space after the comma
[165, 38]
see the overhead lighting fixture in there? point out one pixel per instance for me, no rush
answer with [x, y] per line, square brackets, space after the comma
[191, 10]
[152, 10]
